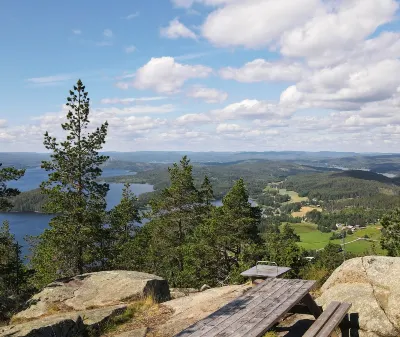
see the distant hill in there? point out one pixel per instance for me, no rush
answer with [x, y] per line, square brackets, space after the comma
[343, 185]
[367, 175]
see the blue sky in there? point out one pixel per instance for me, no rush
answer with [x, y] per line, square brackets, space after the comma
[206, 74]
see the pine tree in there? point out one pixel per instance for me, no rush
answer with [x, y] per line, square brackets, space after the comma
[72, 244]
[123, 220]
[227, 242]
[390, 239]
[206, 191]
[8, 174]
[176, 212]
[12, 270]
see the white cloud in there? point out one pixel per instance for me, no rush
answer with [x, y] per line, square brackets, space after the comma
[176, 29]
[253, 109]
[334, 31]
[229, 128]
[132, 16]
[347, 86]
[140, 109]
[49, 80]
[262, 70]
[107, 33]
[77, 31]
[196, 119]
[130, 100]
[189, 3]
[122, 85]
[130, 49]
[164, 75]
[3, 123]
[209, 95]
[256, 23]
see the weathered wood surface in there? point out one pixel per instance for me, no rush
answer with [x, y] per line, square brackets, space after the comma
[252, 314]
[330, 319]
[264, 271]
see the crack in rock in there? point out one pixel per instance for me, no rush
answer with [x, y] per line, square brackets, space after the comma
[376, 298]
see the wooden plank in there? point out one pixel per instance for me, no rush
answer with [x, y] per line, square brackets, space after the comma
[266, 320]
[268, 307]
[217, 325]
[321, 321]
[335, 320]
[226, 310]
[315, 310]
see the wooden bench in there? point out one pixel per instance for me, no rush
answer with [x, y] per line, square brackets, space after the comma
[329, 320]
[255, 312]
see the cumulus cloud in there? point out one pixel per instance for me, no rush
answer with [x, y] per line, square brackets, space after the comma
[131, 100]
[140, 109]
[262, 70]
[176, 29]
[132, 16]
[3, 123]
[164, 75]
[253, 109]
[228, 128]
[190, 3]
[209, 95]
[346, 86]
[195, 119]
[333, 31]
[255, 23]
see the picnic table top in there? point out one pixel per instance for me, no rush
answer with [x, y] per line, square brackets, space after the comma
[253, 313]
[265, 271]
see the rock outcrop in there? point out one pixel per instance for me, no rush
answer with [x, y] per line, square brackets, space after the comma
[372, 285]
[196, 306]
[75, 306]
[94, 290]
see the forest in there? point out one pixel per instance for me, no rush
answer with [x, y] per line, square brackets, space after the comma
[186, 240]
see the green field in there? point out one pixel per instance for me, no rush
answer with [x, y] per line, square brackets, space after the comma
[311, 238]
[294, 196]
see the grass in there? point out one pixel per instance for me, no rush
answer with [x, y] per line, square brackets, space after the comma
[304, 210]
[294, 196]
[311, 238]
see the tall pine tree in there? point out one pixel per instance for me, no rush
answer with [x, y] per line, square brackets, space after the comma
[72, 244]
[176, 212]
[123, 225]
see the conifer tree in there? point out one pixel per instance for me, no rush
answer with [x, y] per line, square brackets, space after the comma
[206, 191]
[123, 224]
[176, 212]
[71, 245]
[12, 270]
[390, 239]
[8, 174]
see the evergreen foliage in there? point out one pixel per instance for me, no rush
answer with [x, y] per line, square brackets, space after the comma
[74, 242]
[391, 233]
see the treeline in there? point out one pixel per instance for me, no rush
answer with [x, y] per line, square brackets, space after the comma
[328, 186]
[353, 217]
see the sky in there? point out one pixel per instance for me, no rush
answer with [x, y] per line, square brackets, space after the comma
[205, 75]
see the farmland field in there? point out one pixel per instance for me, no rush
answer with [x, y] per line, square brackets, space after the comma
[311, 238]
[294, 196]
[304, 210]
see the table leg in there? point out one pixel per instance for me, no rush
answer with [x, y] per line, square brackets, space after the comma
[315, 310]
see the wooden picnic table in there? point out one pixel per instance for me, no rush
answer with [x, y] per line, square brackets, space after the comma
[255, 312]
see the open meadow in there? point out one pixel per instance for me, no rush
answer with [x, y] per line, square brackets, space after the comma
[312, 239]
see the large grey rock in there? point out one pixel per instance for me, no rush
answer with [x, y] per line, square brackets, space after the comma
[69, 324]
[95, 290]
[372, 285]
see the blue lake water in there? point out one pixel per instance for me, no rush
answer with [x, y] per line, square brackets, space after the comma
[28, 223]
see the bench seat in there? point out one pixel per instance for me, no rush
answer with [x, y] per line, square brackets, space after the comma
[329, 320]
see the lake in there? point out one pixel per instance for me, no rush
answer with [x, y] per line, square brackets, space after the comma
[29, 223]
